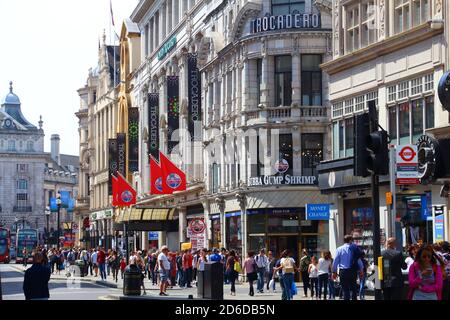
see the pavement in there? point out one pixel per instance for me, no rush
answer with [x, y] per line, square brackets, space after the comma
[95, 288]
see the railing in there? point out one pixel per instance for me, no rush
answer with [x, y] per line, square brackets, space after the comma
[313, 112]
[22, 209]
[289, 114]
[280, 113]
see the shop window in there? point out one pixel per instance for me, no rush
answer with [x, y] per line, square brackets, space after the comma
[413, 210]
[312, 153]
[256, 223]
[417, 119]
[341, 139]
[216, 239]
[283, 223]
[393, 124]
[429, 112]
[311, 80]
[404, 123]
[282, 7]
[283, 80]
[349, 148]
[285, 145]
[234, 235]
[256, 243]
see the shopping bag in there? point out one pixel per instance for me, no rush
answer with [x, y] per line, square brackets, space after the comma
[293, 289]
[271, 283]
[237, 267]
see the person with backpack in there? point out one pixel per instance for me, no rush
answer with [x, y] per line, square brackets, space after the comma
[393, 282]
[232, 270]
[288, 268]
[71, 257]
[305, 261]
[262, 262]
[348, 262]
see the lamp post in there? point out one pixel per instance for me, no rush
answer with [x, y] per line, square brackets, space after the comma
[58, 203]
[47, 215]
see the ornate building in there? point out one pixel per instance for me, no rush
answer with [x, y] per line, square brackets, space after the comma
[22, 165]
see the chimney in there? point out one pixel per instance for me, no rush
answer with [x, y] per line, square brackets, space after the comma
[55, 148]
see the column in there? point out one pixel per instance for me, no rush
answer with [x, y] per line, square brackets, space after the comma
[223, 236]
[155, 32]
[264, 81]
[296, 74]
[168, 17]
[245, 88]
[175, 13]
[182, 224]
[161, 24]
[144, 244]
[296, 150]
[206, 209]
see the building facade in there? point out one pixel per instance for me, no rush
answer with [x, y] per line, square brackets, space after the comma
[98, 123]
[22, 164]
[392, 52]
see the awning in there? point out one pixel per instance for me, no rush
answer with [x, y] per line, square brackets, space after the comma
[135, 214]
[147, 219]
[158, 214]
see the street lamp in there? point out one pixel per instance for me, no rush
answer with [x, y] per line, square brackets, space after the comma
[58, 203]
[47, 215]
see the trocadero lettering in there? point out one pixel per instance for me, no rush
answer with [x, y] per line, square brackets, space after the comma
[289, 21]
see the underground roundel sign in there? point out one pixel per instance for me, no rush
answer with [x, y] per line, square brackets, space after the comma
[407, 154]
[126, 196]
[197, 226]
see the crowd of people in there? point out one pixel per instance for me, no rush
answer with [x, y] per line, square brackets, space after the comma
[425, 267]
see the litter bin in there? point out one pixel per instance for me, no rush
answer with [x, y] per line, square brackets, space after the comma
[132, 281]
[210, 281]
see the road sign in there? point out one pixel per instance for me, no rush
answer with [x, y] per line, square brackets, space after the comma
[197, 226]
[407, 165]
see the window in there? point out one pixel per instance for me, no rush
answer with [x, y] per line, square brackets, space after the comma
[312, 153]
[349, 137]
[352, 29]
[22, 199]
[402, 12]
[285, 145]
[404, 123]
[215, 177]
[429, 112]
[421, 11]
[348, 106]
[403, 90]
[30, 146]
[22, 184]
[393, 124]
[368, 23]
[311, 80]
[416, 86]
[281, 7]
[11, 145]
[338, 109]
[283, 80]
[392, 93]
[341, 139]
[259, 157]
[359, 103]
[259, 80]
[429, 82]
[22, 168]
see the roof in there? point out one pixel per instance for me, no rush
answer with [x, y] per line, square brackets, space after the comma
[68, 163]
[11, 106]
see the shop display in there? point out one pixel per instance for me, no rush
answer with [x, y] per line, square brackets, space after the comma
[362, 230]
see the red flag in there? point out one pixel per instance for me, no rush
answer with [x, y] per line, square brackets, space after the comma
[173, 178]
[123, 195]
[156, 185]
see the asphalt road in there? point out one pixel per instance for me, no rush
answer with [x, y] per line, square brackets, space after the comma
[12, 283]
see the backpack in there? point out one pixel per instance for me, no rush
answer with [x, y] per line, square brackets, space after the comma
[288, 265]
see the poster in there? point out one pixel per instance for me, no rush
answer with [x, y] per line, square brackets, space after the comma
[153, 125]
[133, 139]
[112, 162]
[195, 106]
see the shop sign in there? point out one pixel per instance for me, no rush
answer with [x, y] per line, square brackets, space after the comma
[318, 211]
[281, 180]
[426, 209]
[152, 235]
[286, 21]
[439, 227]
[407, 165]
[169, 45]
[103, 214]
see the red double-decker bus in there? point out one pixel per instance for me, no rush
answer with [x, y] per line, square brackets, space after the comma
[5, 243]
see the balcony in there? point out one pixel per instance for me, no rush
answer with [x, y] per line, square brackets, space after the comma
[288, 114]
[22, 209]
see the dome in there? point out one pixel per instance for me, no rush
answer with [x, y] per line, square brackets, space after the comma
[11, 98]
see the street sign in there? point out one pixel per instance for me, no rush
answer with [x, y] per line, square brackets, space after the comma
[318, 211]
[197, 226]
[407, 165]
[439, 227]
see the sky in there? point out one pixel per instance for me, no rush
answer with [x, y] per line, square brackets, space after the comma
[48, 47]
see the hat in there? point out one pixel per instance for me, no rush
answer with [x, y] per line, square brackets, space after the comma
[164, 248]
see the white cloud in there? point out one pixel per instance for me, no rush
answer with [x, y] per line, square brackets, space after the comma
[47, 48]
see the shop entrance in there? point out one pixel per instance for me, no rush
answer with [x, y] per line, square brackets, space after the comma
[280, 242]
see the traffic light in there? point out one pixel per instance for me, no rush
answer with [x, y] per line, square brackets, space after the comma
[377, 145]
[361, 130]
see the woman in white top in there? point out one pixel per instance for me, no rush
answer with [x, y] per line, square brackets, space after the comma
[314, 277]
[412, 251]
[324, 267]
[201, 260]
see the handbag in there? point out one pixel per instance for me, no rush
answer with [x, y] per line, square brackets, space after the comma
[293, 289]
[237, 267]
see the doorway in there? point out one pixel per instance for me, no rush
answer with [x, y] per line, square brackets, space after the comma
[282, 242]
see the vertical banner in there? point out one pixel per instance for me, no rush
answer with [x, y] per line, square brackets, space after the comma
[173, 110]
[195, 107]
[112, 162]
[133, 139]
[153, 125]
[121, 153]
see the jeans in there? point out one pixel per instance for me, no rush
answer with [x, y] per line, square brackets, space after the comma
[305, 280]
[362, 283]
[323, 283]
[180, 278]
[260, 284]
[288, 279]
[314, 286]
[102, 270]
[348, 283]
[154, 280]
[232, 276]
[332, 293]
[108, 267]
[283, 292]
[188, 277]
[115, 273]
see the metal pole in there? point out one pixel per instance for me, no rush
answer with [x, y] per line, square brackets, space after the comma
[393, 211]
[376, 231]
[57, 243]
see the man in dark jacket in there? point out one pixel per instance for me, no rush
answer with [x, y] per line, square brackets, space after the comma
[35, 283]
[393, 278]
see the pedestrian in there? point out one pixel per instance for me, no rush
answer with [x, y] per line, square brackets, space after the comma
[313, 273]
[231, 271]
[262, 263]
[108, 266]
[35, 283]
[164, 268]
[363, 277]
[114, 264]
[95, 262]
[446, 283]
[195, 257]
[25, 257]
[332, 283]
[173, 269]
[180, 273]
[123, 265]
[188, 268]
[412, 252]
[141, 266]
[84, 256]
[324, 270]
[348, 263]
[101, 260]
[62, 259]
[393, 281]
[224, 255]
[71, 257]
[425, 276]
[270, 273]
[287, 265]
[305, 261]
[202, 260]
[250, 268]
[153, 266]
[215, 256]
[278, 272]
